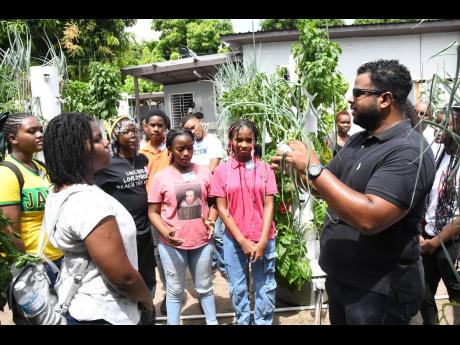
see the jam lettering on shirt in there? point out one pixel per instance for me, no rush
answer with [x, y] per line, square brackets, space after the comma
[33, 199]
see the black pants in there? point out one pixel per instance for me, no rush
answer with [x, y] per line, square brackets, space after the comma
[436, 268]
[146, 263]
[350, 305]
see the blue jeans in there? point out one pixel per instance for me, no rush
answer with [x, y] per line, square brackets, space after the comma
[175, 262]
[350, 305]
[263, 276]
[218, 241]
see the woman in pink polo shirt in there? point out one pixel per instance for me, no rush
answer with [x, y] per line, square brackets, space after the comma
[244, 188]
[184, 235]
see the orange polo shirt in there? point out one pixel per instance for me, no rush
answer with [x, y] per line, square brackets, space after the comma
[158, 160]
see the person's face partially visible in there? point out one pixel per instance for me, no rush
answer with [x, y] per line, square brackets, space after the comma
[189, 197]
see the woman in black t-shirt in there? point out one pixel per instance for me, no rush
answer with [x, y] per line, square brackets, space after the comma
[125, 179]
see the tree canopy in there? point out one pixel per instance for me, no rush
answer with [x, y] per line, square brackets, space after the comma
[200, 35]
[293, 24]
[82, 40]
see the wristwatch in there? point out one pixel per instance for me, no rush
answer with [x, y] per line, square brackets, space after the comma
[314, 170]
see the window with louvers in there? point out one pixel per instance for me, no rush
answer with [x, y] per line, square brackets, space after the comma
[180, 102]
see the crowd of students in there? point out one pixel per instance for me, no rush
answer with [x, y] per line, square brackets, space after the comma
[146, 206]
[170, 202]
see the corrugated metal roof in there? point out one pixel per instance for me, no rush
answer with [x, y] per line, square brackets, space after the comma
[181, 70]
[364, 30]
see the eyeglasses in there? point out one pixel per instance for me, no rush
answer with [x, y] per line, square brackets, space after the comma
[359, 92]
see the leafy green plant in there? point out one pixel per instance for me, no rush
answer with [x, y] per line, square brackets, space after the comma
[317, 59]
[104, 90]
[76, 95]
[9, 255]
[292, 262]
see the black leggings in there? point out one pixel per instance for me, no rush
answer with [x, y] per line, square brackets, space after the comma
[437, 267]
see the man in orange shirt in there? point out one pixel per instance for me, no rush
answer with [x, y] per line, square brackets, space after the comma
[156, 123]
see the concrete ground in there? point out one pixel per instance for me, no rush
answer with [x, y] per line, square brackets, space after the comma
[191, 314]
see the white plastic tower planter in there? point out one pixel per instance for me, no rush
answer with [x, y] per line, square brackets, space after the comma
[44, 83]
[123, 107]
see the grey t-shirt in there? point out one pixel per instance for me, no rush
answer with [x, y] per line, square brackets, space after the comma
[95, 299]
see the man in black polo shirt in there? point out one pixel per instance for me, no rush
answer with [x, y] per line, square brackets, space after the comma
[375, 190]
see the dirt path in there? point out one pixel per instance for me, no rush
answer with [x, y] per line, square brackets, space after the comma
[192, 315]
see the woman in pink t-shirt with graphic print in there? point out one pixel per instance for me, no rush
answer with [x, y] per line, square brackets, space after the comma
[185, 225]
[244, 188]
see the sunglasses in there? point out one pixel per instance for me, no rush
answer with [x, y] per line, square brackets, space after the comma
[359, 92]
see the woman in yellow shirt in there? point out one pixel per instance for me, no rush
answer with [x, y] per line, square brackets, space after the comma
[23, 136]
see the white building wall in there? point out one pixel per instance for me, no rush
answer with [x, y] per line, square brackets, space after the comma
[203, 94]
[414, 51]
[268, 55]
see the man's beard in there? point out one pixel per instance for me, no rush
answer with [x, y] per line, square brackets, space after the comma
[368, 119]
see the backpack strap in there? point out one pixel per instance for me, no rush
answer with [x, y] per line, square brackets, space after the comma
[13, 167]
[41, 246]
[77, 281]
[78, 277]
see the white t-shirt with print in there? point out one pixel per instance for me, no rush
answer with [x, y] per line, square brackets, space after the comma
[206, 149]
[429, 134]
[430, 217]
[95, 299]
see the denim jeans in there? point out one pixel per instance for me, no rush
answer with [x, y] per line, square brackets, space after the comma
[218, 242]
[349, 305]
[263, 277]
[175, 262]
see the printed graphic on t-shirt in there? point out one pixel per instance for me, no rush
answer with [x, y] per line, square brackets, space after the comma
[134, 178]
[33, 199]
[188, 196]
[200, 151]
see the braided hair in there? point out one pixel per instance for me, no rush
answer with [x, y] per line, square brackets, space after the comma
[256, 152]
[172, 134]
[447, 195]
[64, 142]
[9, 125]
[122, 124]
[235, 128]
